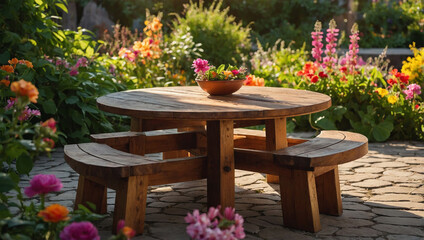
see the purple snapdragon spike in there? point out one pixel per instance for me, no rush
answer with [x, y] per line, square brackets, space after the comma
[317, 42]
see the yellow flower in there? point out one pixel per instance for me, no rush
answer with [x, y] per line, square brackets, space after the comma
[392, 99]
[382, 91]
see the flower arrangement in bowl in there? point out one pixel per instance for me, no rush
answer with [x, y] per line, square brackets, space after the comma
[218, 81]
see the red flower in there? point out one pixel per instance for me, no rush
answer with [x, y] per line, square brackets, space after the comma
[417, 106]
[404, 78]
[314, 79]
[391, 81]
[343, 69]
[322, 75]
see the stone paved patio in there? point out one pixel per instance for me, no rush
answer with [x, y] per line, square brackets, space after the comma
[382, 199]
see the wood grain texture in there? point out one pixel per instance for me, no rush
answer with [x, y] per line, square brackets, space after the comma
[93, 192]
[299, 200]
[276, 138]
[328, 192]
[221, 182]
[191, 103]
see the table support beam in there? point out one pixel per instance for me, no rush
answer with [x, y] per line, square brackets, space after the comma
[276, 138]
[220, 147]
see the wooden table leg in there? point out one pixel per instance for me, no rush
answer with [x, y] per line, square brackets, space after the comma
[220, 145]
[276, 138]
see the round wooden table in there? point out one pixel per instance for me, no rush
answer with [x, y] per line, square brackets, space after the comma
[169, 107]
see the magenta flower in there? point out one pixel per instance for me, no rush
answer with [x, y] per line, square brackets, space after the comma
[42, 184]
[10, 103]
[80, 231]
[352, 54]
[82, 62]
[415, 88]
[27, 113]
[200, 65]
[330, 49]
[235, 72]
[74, 71]
[317, 43]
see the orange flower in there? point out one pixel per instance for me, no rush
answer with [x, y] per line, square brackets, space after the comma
[27, 63]
[24, 88]
[7, 68]
[50, 123]
[5, 82]
[128, 232]
[13, 61]
[156, 25]
[54, 213]
[252, 80]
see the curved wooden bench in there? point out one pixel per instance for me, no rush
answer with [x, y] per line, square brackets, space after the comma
[101, 166]
[308, 174]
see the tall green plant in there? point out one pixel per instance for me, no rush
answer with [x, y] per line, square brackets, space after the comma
[223, 40]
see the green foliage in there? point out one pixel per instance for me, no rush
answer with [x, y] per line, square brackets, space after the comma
[223, 41]
[29, 29]
[392, 24]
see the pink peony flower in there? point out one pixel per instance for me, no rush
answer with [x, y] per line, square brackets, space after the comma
[42, 184]
[80, 231]
[200, 65]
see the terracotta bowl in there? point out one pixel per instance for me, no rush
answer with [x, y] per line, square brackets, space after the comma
[224, 87]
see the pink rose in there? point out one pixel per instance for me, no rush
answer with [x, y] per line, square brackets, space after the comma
[42, 184]
[80, 231]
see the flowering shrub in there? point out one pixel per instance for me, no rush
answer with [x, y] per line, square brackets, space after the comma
[214, 225]
[22, 138]
[414, 67]
[51, 222]
[204, 72]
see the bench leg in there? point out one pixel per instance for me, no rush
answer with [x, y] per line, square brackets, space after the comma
[299, 200]
[328, 191]
[130, 203]
[276, 138]
[89, 191]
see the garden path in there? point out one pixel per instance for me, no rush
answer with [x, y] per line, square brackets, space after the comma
[383, 198]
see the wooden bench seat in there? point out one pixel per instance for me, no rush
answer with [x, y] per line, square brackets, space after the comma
[100, 167]
[308, 174]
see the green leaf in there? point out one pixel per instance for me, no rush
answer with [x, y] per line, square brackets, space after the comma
[6, 183]
[14, 150]
[89, 51]
[72, 100]
[325, 123]
[62, 6]
[49, 107]
[381, 132]
[24, 164]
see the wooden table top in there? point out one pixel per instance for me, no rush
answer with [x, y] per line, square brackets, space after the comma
[193, 103]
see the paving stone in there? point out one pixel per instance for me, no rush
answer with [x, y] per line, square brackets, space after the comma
[327, 230]
[256, 201]
[358, 177]
[259, 222]
[390, 165]
[400, 205]
[246, 180]
[398, 173]
[403, 237]
[248, 213]
[399, 229]
[392, 189]
[164, 218]
[282, 234]
[396, 197]
[358, 214]
[273, 212]
[168, 231]
[358, 232]
[398, 213]
[162, 189]
[411, 160]
[355, 206]
[176, 199]
[160, 204]
[419, 222]
[369, 170]
[344, 222]
[372, 183]
[250, 228]
[418, 169]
